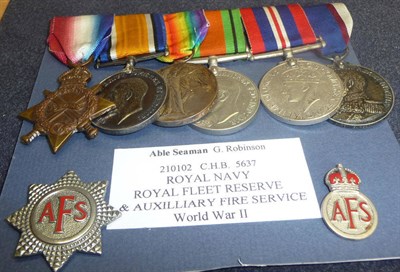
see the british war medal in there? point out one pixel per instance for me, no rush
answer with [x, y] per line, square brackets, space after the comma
[138, 93]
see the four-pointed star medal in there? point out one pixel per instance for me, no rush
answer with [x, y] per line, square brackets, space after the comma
[62, 218]
[67, 110]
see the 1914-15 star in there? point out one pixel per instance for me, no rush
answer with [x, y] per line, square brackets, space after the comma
[67, 110]
[62, 218]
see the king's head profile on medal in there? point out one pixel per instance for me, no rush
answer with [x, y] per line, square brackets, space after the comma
[62, 218]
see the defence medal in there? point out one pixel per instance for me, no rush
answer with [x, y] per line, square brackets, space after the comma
[238, 97]
[72, 106]
[192, 88]
[62, 218]
[138, 93]
[369, 98]
[345, 210]
[297, 91]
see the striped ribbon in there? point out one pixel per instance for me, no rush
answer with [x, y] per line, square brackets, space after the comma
[333, 23]
[225, 34]
[185, 31]
[135, 34]
[273, 28]
[75, 39]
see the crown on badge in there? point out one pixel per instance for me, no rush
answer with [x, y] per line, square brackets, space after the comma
[341, 178]
[80, 74]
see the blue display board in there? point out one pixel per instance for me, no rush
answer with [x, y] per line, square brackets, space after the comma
[372, 152]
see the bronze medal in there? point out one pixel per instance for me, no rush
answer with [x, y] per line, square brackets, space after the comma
[192, 90]
[67, 110]
[345, 210]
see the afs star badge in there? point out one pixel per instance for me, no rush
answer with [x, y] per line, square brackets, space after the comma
[345, 210]
[62, 218]
[67, 110]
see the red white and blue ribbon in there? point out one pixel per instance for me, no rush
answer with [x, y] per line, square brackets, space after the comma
[75, 39]
[333, 23]
[273, 28]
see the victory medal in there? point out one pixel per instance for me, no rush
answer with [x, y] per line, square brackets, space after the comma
[62, 218]
[345, 210]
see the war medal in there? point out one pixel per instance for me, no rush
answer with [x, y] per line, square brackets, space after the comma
[369, 98]
[297, 91]
[301, 92]
[346, 211]
[138, 93]
[238, 97]
[62, 218]
[72, 106]
[192, 88]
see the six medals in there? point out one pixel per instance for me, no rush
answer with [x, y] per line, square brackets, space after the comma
[297, 92]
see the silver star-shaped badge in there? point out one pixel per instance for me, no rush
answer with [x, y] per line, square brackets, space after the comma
[62, 218]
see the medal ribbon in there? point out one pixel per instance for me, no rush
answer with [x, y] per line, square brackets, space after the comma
[225, 34]
[273, 28]
[135, 34]
[76, 38]
[333, 23]
[185, 31]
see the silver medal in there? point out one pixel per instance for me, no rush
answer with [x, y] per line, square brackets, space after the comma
[369, 98]
[138, 94]
[345, 210]
[235, 107]
[301, 92]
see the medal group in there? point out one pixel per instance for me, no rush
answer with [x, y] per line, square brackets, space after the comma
[211, 99]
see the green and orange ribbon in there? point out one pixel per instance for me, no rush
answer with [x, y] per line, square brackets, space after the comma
[225, 35]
